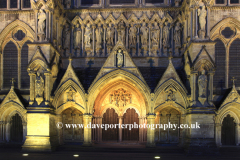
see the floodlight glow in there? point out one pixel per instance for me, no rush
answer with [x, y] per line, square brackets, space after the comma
[75, 155]
[25, 154]
[157, 157]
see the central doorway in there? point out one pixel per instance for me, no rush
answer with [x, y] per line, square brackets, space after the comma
[228, 131]
[129, 118]
[110, 117]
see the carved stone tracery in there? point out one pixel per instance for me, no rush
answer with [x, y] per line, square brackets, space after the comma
[120, 98]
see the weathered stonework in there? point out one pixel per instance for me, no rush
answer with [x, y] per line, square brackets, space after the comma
[158, 61]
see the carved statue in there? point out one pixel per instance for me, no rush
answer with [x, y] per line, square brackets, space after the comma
[66, 37]
[110, 35]
[144, 34]
[170, 96]
[41, 24]
[41, 21]
[121, 31]
[99, 35]
[77, 37]
[119, 58]
[155, 34]
[87, 35]
[70, 95]
[166, 29]
[177, 35]
[39, 86]
[202, 85]
[132, 35]
[202, 13]
[68, 4]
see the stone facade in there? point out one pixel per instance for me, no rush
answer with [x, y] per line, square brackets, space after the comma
[72, 61]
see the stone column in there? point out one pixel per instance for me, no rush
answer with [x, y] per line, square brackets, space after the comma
[150, 132]
[1, 131]
[184, 131]
[115, 27]
[72, 40]
[208, 22]
[193, 86]
[138, 40]
[83, 29]
[178, 116]
[104, 39]
[238, 134]
[94, 27]
[36, 25]
[168, 117]
[196, 23]
[227, 66]
[210, 84]
[120, 119]
[47, 87]
[87, 118]
[160, 41]
[32, 76]
[149, 40]
[24, 130]
[60, 130]
[126, 40]
[218, 134]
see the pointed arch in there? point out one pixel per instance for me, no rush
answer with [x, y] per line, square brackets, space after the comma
[63, 88]
[29, 31]
[115, 77]
[160, 95]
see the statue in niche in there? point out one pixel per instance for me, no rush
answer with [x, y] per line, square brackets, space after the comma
[202, 13]
[121, 31]
[166, 29]
[155, 34]
[132, 35]
[202, 85]
[177, 35]
[110, 35]
[87, 35]
[39, 86]
[77, 37]
[144, 34]
[170, 95]
[119, 58]
[68, 4]
[41, 24]
[99, 35]
[70, 95]
[66, 37]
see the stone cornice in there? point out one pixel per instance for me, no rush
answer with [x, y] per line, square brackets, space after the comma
[15, 11]
[123, 9]
[224, 7]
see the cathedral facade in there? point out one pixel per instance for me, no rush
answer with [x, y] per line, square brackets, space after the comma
[119, 62]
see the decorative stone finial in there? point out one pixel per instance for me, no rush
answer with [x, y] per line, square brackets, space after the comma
[12, 80]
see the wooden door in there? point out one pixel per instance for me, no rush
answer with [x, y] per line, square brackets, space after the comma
[228, 131]
[129, 118]
[70, 134]
[110, 117]
[16, 130]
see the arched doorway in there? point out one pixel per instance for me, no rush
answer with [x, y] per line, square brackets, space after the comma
[110, 117]
[16, 129]
[166, 116]
[72, 133]
[228, 131]
[130, 117]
